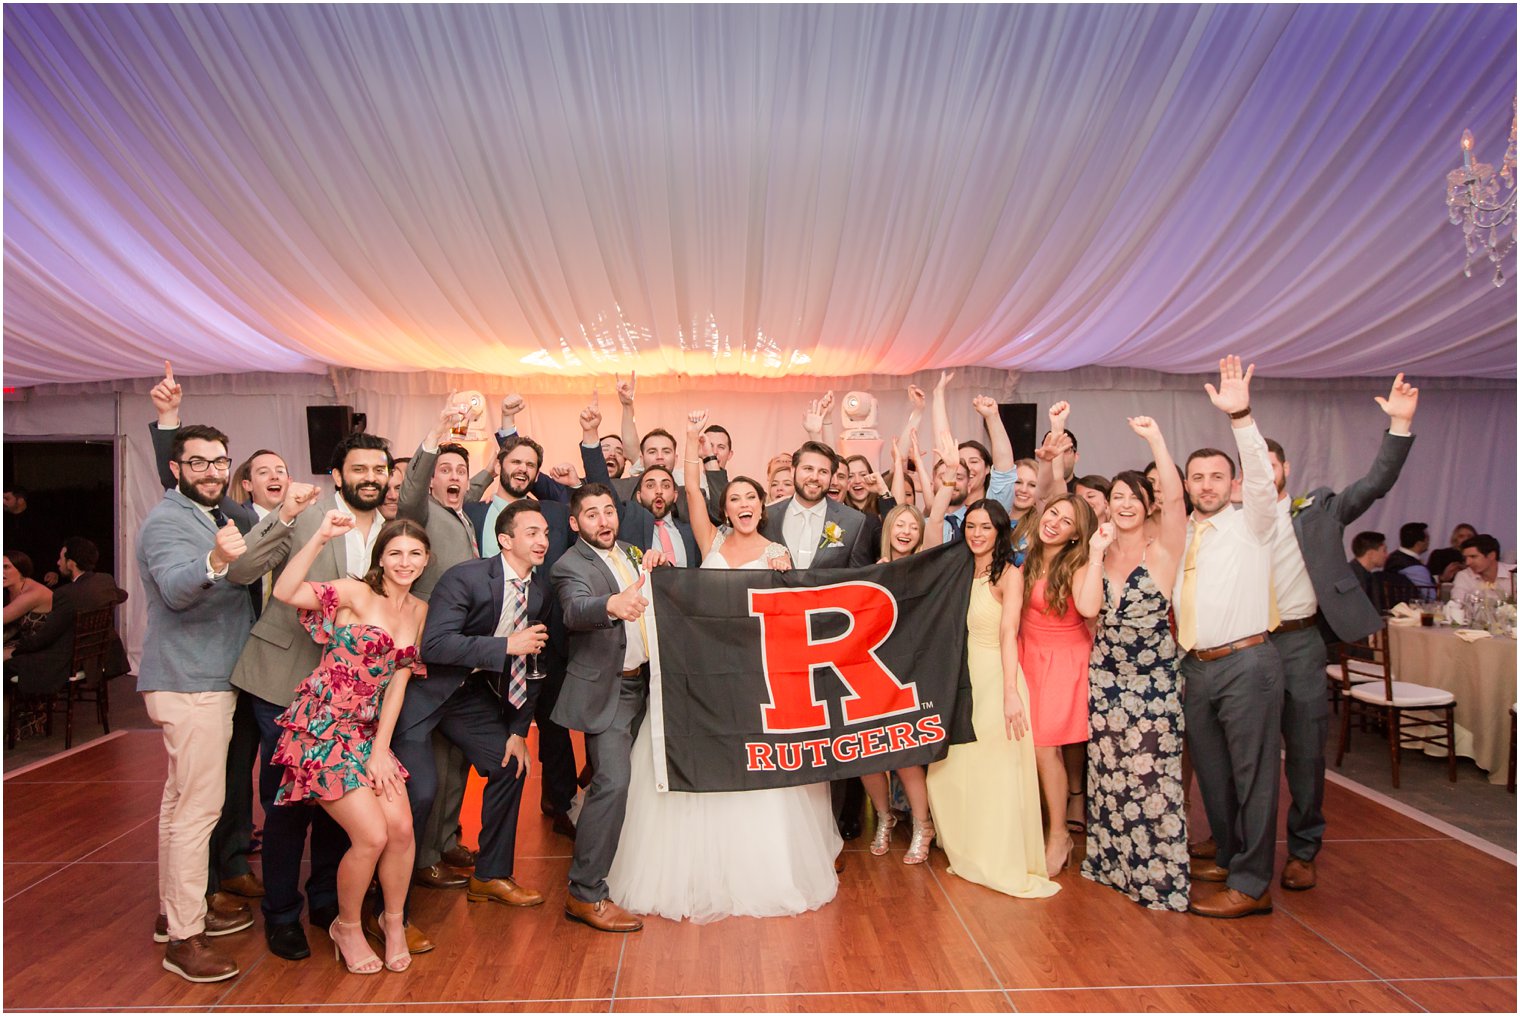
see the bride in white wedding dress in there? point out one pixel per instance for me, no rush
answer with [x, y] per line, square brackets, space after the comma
[755, 853]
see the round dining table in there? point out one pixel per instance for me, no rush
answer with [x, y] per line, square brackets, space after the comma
[1480, 673]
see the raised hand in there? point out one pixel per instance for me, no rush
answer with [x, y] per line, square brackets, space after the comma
[511, 405]
[1403, 398]
[591, 416]
[298, 497]
[877, 485]
[528, 642]
[336, 523]
[1145, 427]
[812, 420]
[944, 380]
[897, 456]
[563, 474]
[696, 423]
[166, 396]
[625, 388]
[826, 404]
[1056, 444]
[629, 605]
[985, 405]
[1101, 539]
[229, 546]
[1234, 392]
[1058, 414]
[944, 446]
[915, 399]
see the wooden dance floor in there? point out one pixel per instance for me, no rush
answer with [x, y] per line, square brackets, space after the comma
[1405, 919]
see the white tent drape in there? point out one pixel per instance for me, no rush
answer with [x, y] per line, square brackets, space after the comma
[763, 191]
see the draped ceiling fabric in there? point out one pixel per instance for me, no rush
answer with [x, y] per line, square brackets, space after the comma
[763, 191]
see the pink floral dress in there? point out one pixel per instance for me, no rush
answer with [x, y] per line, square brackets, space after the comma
[330, 725]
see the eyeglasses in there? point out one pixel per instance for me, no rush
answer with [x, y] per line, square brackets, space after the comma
[196, 464]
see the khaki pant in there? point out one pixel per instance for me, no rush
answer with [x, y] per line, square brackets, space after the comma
[197, 727]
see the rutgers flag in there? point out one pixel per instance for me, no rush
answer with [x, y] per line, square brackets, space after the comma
[776, 679]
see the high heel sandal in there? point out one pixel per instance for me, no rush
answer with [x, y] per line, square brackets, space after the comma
[918, 847]
[1076, 826]
[1071, 847]
[886, 821]
[364, 966]
[394, 963]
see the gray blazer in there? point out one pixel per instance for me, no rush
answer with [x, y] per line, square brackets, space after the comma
[598, 643]
[196, 625]
[857, 551]
[451, 539]
[1321, 530]
[281, 654]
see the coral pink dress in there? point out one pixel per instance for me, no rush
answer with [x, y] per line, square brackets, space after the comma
[330, 725]
[1054, 653]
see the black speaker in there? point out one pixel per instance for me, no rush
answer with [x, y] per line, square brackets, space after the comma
[325, 427]
[1019, 420]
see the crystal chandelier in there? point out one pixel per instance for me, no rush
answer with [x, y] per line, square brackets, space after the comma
[1472, 197]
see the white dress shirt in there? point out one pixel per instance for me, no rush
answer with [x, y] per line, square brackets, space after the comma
[634, 654]
[1234, 567]
[802, 529]
[1467, 583]
[357, 547]
[1290, 578]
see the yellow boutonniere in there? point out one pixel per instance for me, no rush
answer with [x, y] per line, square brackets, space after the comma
[1299, 504]
[636, 556]
[833, 536]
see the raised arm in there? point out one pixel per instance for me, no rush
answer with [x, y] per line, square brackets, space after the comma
[1049, 483]
[939, 418]
[1087, 591]
[1402, 400]
[915, 416]
[826, 407]
[412, 499]
[1258, 491]
[899, 477]
[702, 528]
[166, 396]
[625, 391]
[291, 586]
[939, 503]
[997, 434]
[1173, 535]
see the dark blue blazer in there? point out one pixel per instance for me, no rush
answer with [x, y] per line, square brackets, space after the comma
[636, 526]
[545, 488]
[459, 638]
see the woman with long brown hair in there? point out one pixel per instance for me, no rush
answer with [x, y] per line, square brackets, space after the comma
[1055, 643]
[338, 727]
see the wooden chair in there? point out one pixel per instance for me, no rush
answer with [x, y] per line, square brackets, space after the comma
[88, 683]
[1354, 664]
[1404, 708]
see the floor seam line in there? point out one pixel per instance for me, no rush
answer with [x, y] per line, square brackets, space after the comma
[617, 974]
[967, 929]
[71, 864]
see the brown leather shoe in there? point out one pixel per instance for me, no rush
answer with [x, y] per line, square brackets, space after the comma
[217, 923]
[195, 960]
[244, 885]
[436, 876]
[603, 915]
[1207, 871]
[1299, 875]
[503, 890]
[226, 903]
[1203, 848]
[839, 863]
[1231, 903]
[460, 856]
[416, 942]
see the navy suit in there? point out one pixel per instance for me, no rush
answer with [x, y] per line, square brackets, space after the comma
[636, 526]
[556, 755]
[457, 641]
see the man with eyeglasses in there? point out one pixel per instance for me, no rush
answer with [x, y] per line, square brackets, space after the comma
[198, 618]
[280, 655]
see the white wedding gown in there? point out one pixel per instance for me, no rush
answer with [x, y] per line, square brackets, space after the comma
[754, 853]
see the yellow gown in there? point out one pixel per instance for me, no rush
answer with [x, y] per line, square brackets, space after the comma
[985, 796]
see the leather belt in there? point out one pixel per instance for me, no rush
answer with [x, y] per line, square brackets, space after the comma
[636, 671]
[1298, 625]
[1220, 652]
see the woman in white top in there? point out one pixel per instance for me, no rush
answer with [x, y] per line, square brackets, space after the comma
[757, 853]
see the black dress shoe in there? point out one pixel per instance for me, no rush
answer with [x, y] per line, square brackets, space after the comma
[323, 915]
[287, 941]
[560, 823]
[849, 827]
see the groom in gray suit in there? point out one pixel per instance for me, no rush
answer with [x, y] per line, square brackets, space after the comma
[1317, 592]
[600, 589]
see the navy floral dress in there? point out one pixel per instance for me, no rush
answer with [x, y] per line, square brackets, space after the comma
[1137, 814]
[330, 725]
